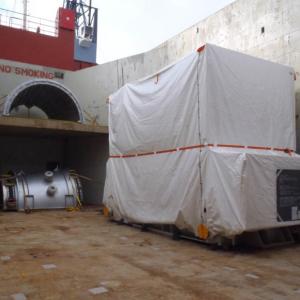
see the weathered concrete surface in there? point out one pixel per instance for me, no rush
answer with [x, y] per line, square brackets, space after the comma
[90, 252]
[65, 127]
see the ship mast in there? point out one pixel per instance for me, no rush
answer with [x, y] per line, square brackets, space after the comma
[24, 14]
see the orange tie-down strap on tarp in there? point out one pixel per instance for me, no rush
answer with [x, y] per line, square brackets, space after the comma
[200, 49]
[285, 150]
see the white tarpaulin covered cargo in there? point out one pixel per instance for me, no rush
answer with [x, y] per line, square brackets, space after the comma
[208, 141]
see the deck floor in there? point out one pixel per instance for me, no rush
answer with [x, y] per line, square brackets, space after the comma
[86, 251]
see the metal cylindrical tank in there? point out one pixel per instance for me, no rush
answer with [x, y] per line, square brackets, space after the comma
[49, 190]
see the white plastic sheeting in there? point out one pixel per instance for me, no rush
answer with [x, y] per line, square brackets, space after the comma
[200, 142]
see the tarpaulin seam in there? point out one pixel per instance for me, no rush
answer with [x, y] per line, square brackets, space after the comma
[199, 130]
[285, 150]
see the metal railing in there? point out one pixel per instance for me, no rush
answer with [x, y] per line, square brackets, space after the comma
[29, 23]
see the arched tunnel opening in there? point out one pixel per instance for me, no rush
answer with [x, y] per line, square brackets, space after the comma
[55, 100]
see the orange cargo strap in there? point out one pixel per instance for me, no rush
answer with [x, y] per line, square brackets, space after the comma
[200, 49]
[285, 150]
[202, 232]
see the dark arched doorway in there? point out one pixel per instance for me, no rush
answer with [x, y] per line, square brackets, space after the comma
[54, 99]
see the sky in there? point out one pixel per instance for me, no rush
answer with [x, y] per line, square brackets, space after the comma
[128, 27]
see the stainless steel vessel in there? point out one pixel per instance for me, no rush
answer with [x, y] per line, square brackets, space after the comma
[49, 190]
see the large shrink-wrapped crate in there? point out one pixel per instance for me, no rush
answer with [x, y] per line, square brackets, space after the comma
[206, 144]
